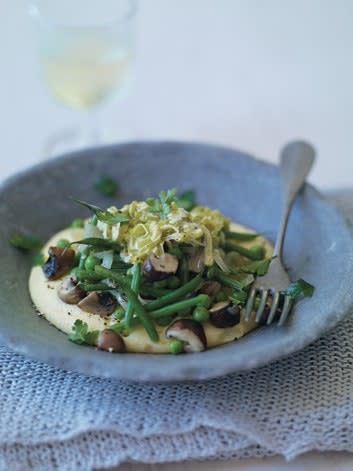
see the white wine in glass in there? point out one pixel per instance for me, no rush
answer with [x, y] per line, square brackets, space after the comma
[86, 49]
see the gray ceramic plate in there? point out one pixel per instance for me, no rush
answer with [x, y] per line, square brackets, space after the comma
[318, 248]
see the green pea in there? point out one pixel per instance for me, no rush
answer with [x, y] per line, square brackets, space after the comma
[160, 284]
[91, 261]
[221, 296]
[77, 223]
[63, 243]
[173, 282]
[176, 346]
[164, 321]
[201, 314]
[119, 313]
[204, 300]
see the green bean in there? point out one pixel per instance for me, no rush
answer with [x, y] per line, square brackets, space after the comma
[215, 274]
[176, 294]
[122, 271]
[160, 283]
[149, 290]
[135, 284]
[88, 275]
[173, 282]
[199, 300]
[175, 250]
[121, 326]
[255, 253]
[245, 236]
[137, 306]
[118, 262]
[94, 286]
[183, 270]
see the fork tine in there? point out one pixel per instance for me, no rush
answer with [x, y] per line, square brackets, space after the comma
[249, 304]
[275, 302]
[286, 310]
[260, 309]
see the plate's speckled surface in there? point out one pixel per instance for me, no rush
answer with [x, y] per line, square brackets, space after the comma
[318, 248]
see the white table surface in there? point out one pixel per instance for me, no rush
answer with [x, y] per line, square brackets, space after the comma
[244, 73]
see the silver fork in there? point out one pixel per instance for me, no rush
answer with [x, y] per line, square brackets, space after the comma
[297, 159]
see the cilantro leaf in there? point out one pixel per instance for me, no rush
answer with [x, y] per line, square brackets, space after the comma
[166, 199]
[25, 241]
[106, 186]
[186, 200]
[238, 297]
[80, 333]
[103, 215]
[162, 205]
[154, 204]
[259, 267]
[299, 288]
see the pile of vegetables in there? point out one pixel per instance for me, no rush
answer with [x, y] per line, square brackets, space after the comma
[166, 262]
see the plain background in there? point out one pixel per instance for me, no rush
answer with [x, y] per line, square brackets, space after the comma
[250, 74]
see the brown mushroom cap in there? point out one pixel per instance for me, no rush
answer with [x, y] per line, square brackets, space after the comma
[102, 304]
[160, 267]
[59, 263]
[110, 341]
[224, 314]
[210, 287]
[69, 291]
[190, 332]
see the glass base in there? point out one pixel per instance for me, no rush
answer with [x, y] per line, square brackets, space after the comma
[72, 139]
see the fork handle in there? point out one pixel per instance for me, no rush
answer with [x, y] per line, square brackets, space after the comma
[297, 159]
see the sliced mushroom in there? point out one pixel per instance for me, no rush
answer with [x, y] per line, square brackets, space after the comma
[159, 267]
[102, 304]
[211, 288]
[110, 341]
[190, 332]
[60, 262]
[224, 314]
[196, 260]
[69, 291]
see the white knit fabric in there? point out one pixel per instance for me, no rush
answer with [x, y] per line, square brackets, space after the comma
[57, 420]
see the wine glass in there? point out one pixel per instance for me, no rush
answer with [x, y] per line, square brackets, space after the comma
[86, 52]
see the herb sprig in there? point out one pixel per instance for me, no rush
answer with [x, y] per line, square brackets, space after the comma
[80, 333]
[98, 243]
[102, 214]
[186, 200]
[25, 241]
[299, 289]
[258, 267]
[106, 186]
[162, 204]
